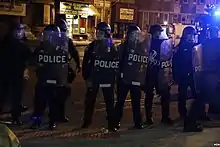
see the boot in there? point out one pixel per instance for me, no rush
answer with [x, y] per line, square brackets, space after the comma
[192, 128]
[167, 121]
[63, 119]
[16, 121]
[52, 125]
[24, 108]
[149, 119]
[85, 125]
[138, 126]
[36, 123]
[111, 126]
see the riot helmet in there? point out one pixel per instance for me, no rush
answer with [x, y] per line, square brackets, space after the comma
[62, 24]
[189, 34]
[155, 30]
[133, 33]
[51, 34]
[213, 32]
[103, 30]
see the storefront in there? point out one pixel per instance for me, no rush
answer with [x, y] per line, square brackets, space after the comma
[122, 16]
[80, 17]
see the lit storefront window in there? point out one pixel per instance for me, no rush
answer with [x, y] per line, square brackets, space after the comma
[77, 16]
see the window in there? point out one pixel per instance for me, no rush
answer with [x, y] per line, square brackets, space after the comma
[201, 1]
[185, 1]
[194, 1]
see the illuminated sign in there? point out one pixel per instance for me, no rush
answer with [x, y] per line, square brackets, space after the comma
[126, 14]
[8, 9]
[71, 8]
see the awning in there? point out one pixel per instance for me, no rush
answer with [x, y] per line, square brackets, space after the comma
[94, 10]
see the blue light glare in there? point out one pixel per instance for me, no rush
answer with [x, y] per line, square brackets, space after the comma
[217, 13]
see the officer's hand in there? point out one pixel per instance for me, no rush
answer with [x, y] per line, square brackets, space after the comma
[26, 74]
[78, 69]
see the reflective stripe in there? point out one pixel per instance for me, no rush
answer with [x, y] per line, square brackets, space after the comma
[136, 83]
[51, 81]
[104, 85]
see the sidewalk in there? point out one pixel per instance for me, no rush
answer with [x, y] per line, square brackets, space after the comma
[159, 136]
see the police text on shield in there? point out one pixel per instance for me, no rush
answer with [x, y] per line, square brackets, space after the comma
[137, 58]
[52, 59]
[106, 64]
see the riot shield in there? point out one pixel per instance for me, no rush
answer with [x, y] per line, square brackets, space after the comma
[166, 53]
[106, 63]
[134, 63]
[52, 58]
[197, 66]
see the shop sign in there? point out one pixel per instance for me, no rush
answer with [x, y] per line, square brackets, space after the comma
[71, 8]
[126, 14]
[16, 10]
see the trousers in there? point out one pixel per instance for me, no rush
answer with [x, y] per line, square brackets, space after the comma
[183, 86]
[12, 89]
[135, 93]
[90, 99]
[51, 95]
[151, 83]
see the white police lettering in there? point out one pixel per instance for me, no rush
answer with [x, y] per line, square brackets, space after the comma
[166, 64]
[106, 64]
[137, 58]
[52, 59]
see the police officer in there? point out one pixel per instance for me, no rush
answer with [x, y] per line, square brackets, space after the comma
[51, 61]
[206, 80]
[62, 24]
[212, 34]
[155, 77]
[14, 57]
[130, 76]
[99, 70]
[182, 68]
[206, 74]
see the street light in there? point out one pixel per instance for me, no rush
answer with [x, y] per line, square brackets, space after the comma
[165, 23]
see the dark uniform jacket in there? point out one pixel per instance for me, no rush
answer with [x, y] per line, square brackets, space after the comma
[182, 61]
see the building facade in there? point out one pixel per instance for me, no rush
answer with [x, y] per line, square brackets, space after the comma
[171, 11]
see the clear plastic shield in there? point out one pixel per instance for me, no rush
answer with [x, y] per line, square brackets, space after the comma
[197, 66]
[53, 57]
[55, 39]
[106, 63]
[134, 65]
[166, 53]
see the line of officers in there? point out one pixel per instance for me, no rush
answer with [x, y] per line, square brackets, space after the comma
[138, 64]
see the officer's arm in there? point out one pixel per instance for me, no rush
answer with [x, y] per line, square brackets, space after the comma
[33, 57]
[86, 63]
[175, 65]
[74, 53]
[27, 55]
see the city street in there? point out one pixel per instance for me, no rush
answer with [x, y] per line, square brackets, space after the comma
[71, 131]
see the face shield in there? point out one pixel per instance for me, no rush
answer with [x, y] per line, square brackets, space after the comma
[156, 34]
[100, 35]
[213, 34]
[191, 38]
[135, 36]
[163, 35]
[19, 33]
[52, 37]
